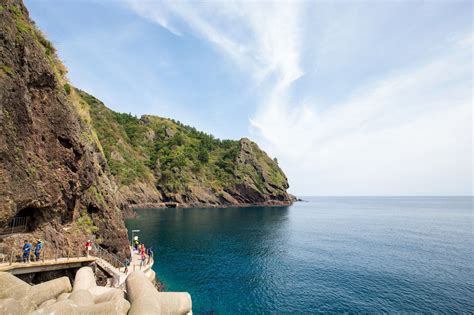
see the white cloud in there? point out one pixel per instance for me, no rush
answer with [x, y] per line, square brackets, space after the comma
[262, 38]
[409, 132]
[157, 13]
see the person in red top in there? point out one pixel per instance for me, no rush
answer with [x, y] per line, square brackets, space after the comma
[88, 247]
[142, 254]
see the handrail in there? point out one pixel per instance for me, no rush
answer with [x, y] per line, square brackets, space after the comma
[48, 252]
[54, 253]
[112, 259]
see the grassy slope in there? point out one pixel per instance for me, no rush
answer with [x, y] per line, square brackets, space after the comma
[176, 157]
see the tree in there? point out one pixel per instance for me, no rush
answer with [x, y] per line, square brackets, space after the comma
[203, 155]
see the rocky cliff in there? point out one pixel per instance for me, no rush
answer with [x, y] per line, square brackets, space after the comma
[52, 169]
[157, 160]
[71, 165]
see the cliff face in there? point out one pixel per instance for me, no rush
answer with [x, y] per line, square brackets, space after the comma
[71, 165]
[52, 169]
[156, 160]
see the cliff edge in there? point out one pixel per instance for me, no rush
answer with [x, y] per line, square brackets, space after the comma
[73, 167]
[52, 169]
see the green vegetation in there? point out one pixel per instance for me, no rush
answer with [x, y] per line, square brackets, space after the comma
[47, 45]
[162, 153]
[85, 223]
[174, 156]
[16, 10]
[67, 88]
[25, 27]
[8, 70]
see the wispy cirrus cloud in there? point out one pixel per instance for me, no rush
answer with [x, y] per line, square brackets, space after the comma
[412, 127]
[263, 38]
[392, 132]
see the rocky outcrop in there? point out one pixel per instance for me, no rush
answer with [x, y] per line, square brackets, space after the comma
[52, 169]
[158, 161]
[73, 167]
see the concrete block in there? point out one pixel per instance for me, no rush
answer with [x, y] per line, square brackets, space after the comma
[11, 306]
[65, 307]
[48, 290]
[100, 290]
[68, 307]
[119, 307]
[63, 296]
[84, 279]
[47, 303]
[175, 302]
[142, 295]
[82, 297]
[12, 287]
[111, 295]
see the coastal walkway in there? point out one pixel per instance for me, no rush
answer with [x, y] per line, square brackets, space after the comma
[51, 260]
[18, 268]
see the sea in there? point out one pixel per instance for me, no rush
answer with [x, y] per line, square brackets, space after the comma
[324, 255]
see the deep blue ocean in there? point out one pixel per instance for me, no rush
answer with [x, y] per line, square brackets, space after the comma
[331, 254]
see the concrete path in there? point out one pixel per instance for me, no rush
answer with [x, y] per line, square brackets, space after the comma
[46, 265]
[118, 274]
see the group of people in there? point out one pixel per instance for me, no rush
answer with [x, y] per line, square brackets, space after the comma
[27, 247]
[140, 249]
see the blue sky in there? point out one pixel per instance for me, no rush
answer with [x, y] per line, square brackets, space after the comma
[354, 98]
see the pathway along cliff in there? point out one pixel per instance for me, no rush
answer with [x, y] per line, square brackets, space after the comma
[72, 167]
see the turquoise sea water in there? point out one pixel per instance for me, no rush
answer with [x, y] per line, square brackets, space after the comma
[365, 255]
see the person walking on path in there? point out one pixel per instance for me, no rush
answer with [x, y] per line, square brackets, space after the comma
[126, 263]
[136, 243]
[26, 251]
[142, 255]
[142, 258]
[38, 248]
[88, 246]
[150, 254]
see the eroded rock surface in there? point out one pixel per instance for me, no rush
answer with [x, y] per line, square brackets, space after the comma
[52, 169]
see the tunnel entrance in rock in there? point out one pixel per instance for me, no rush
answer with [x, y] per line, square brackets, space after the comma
[28, 218]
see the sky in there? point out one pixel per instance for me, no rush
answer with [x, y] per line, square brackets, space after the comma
[354, 98]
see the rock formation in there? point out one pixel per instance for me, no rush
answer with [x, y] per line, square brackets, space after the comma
[52, 169]
[73, 167]
[157, 160]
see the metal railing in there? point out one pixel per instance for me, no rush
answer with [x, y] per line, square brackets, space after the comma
[50, 252]
[15, 225]
[47, 252]
[102, 253]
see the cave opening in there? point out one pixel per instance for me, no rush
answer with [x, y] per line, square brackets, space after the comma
[28, 219]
